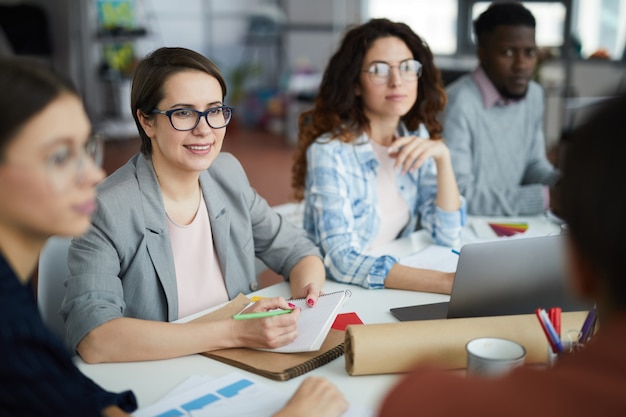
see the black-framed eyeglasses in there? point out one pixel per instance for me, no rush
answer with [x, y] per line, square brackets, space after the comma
[379, 72]
[187, 119]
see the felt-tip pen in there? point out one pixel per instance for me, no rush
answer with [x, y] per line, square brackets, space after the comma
[553, 339]
[588, 326]
[261, 314]
[456, 252]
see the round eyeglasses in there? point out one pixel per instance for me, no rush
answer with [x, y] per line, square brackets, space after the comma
[187, 119]
[380, 72]
[66, 166]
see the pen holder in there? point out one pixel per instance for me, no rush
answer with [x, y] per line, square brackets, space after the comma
[570, 345]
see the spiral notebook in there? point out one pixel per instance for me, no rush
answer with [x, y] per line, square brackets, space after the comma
[314, 323]
[283, 366]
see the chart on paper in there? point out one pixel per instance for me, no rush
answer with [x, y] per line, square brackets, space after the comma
[228, 396]
[494, 229]
[231, 395]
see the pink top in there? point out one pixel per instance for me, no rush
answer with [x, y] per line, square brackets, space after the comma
[393, 209]
[198, 275]
[491, 96]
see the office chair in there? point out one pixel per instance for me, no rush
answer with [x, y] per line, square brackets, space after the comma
[52, 274]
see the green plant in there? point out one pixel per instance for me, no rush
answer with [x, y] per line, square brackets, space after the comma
[238, 77]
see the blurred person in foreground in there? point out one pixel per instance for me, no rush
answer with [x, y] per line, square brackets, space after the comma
[48, 177]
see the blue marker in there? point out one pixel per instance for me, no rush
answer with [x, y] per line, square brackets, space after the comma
[551, 332]
[456, 252]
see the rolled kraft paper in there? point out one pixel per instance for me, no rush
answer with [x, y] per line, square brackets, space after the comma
[396, 347]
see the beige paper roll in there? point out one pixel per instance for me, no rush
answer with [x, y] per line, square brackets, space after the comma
[396, 347]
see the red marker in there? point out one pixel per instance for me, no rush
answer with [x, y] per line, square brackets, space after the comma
[546, 326]
[555, 317]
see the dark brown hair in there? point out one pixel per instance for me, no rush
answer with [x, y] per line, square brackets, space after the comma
[150, 77]
[27, 86]
[590, 200]
[339, 111]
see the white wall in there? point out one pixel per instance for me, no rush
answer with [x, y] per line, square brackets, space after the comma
[315, 29]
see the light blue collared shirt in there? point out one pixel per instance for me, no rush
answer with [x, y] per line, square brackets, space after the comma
[341, 213]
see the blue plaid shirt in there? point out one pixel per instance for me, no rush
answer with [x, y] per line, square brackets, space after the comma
[341, 214]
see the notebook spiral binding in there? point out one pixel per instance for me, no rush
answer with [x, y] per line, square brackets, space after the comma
[347, 292]
[271, 364]
[320, 360]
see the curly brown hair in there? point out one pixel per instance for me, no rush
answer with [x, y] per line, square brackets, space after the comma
[339, 111]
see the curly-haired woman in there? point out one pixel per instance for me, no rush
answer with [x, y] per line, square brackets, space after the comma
[371, 165]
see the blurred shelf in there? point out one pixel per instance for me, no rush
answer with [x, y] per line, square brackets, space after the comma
[120, 34]
[117, 129]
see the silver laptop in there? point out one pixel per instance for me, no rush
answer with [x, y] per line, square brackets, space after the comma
[514, 276]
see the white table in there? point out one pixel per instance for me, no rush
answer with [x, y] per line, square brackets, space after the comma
[152, 379]
[539, 225]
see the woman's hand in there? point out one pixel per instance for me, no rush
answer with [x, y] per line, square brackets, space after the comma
[447, 280]
[269, 332]
[404, 277]
[114, 411]
[412, 151]
[315, 397]
[311, 292]
[307, 279]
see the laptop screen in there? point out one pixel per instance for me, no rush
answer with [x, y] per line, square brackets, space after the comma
[504, 277]
[514, 276]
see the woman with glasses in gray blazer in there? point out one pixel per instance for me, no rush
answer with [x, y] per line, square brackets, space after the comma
[177, 230]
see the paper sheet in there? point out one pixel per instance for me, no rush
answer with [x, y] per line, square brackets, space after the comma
[231, 395]
[315, 322]
[396, 347]
[439, 258]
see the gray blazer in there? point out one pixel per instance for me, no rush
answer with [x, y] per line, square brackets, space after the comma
[123, 266]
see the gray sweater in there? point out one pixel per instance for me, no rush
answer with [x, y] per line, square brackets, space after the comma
[498, 154]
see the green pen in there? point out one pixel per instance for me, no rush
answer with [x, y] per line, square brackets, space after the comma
[261, 314]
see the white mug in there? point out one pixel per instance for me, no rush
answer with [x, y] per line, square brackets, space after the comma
[492, 356]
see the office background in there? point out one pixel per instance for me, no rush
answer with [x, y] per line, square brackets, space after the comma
[272, 51]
